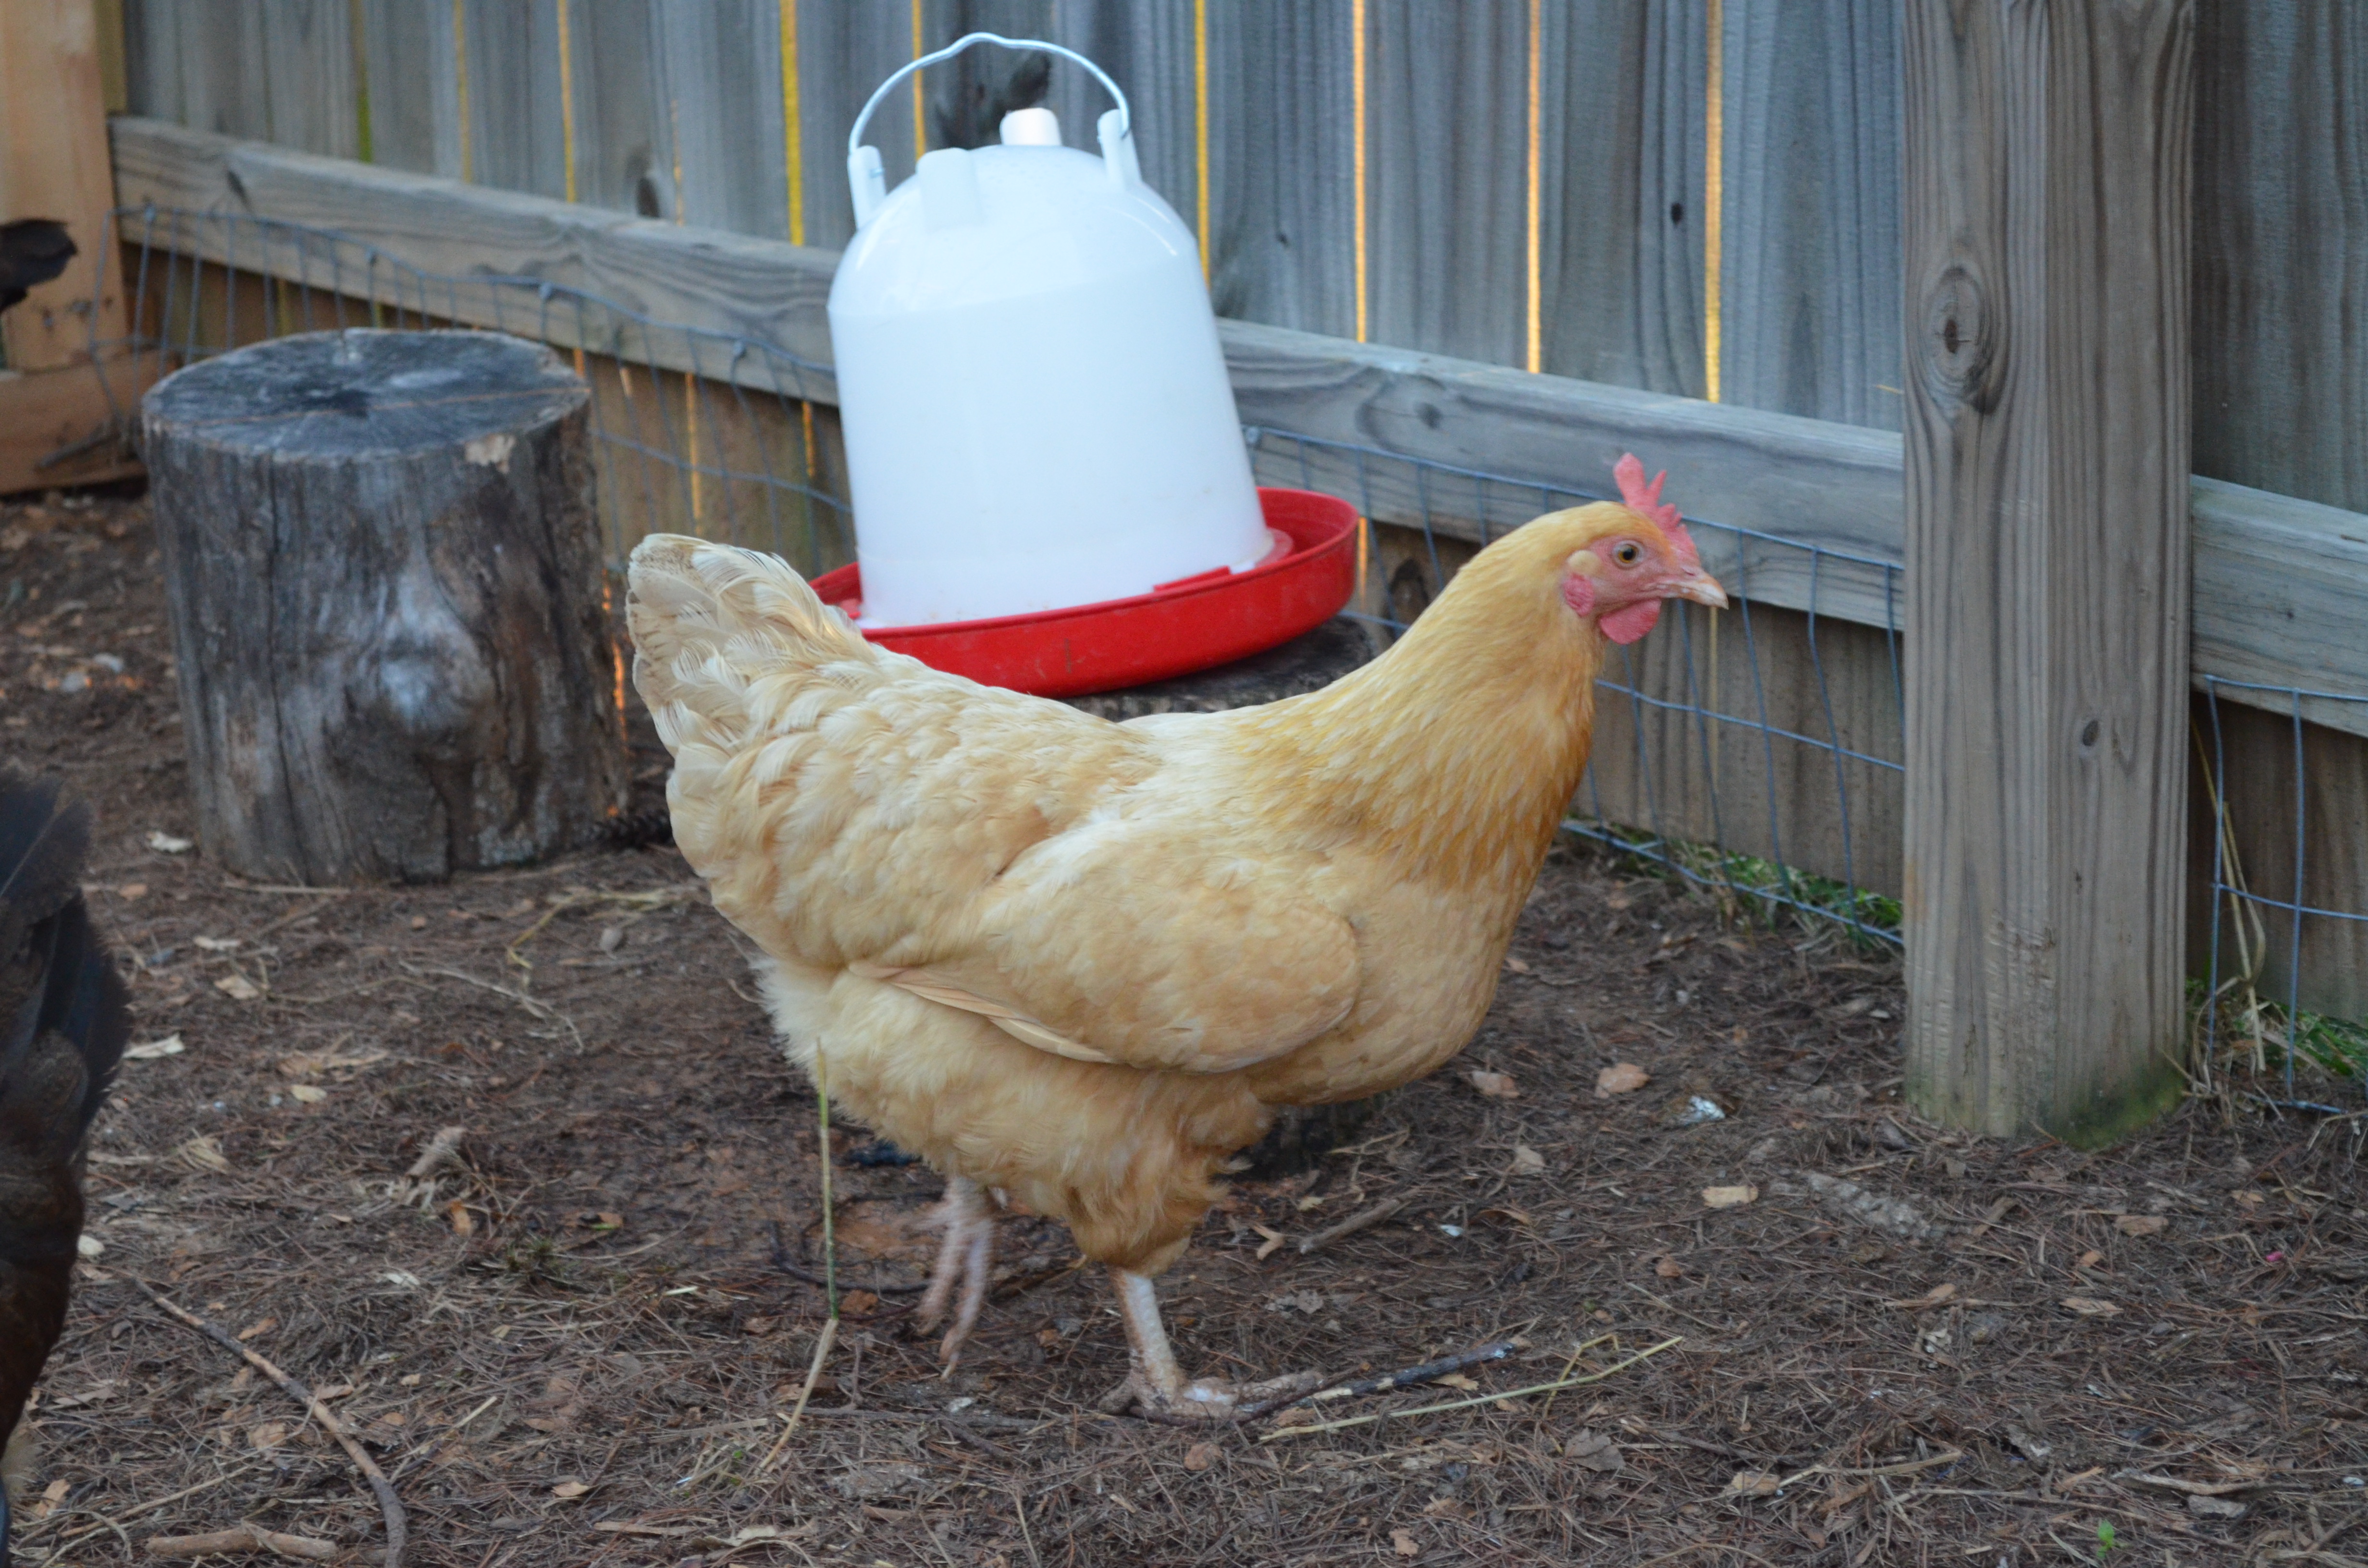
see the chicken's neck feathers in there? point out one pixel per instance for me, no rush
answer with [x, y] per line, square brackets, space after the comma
[1457, 752]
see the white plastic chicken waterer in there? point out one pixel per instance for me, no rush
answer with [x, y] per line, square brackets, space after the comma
[1034, 400]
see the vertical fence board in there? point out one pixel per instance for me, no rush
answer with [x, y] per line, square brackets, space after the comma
[719, 72]
[308, 72]
[151, 58]
[1146, 46]
[960, 96]
[1621, 171]
[2046, 221]
[845, 52]
[224, 87]
[2281, 248]
[1810, 313]
[407, 58]
[514, 139]
[1447, 136]
[622, 157]
[1283, 163]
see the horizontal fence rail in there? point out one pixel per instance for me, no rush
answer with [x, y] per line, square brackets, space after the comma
[1837, 487]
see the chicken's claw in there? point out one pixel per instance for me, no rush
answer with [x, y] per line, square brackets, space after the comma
[965, 1257]
[1213, 1401]
[1155, 1386]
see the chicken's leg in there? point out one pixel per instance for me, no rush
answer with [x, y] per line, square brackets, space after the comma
[1155, 1381]
[964, 1258]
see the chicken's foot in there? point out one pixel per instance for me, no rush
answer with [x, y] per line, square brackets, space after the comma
[1155, 1385]
[965, 1257]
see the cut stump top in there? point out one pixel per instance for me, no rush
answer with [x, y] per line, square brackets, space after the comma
[1307, 662]
[343, 394]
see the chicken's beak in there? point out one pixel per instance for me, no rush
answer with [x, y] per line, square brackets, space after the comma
[1700, 586]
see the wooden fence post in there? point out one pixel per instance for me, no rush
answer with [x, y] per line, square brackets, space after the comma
[2046, 180]
[54, 164]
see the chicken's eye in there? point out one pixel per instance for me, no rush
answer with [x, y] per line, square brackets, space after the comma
[1627, 553]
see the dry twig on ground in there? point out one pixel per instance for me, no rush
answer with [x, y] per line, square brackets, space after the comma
[397, 1532]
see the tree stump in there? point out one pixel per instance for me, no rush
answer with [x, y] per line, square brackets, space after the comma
[1307, 662]
[388, 601]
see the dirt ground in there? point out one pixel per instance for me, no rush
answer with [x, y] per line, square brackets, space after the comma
[579, 1341]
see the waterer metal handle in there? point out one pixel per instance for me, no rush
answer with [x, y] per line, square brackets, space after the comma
[868, 183]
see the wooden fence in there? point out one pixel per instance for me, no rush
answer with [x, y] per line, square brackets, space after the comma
[1506, 236]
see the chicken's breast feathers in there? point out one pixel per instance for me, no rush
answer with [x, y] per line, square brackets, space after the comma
[1070, 879]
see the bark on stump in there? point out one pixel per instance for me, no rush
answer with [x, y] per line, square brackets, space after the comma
[387, 593]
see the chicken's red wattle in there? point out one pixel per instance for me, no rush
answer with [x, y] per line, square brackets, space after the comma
[1631, 622]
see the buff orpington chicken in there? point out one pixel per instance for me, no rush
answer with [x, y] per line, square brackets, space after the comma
[1078, 962]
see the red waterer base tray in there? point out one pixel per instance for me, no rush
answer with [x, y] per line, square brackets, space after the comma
[1174, 629]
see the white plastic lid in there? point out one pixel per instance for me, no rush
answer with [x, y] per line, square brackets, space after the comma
[1031, 127]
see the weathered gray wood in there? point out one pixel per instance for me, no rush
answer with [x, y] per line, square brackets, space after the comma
[683, 277]
[621, 161]
[966, 97]
[1283, 163]
[719, 73]
[152, 60]
[386, 587]
[408, 60]
[1820, 483]
[844, 52]
[308, 76]
[1621, 160]
[1812, 480]
[2282, 599]
[1146, 46]
[2281, 248]
[1810, 317]
[223, 78]
[1447, 142]
[2046, 216]
[515, 134]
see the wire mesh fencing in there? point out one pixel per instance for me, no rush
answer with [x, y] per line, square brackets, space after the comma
[1757, 753]
[2285, 969]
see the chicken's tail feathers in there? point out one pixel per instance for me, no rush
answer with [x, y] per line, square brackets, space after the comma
[706, 617]
[63, 1013]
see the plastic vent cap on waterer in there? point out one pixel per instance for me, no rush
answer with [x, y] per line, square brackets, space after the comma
[1035, 405]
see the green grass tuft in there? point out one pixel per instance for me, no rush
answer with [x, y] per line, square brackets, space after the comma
[1761, 892]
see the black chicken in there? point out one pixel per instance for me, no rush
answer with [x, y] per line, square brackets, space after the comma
[63, 1020]
[32, 251]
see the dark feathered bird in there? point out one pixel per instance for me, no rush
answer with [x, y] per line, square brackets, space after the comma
[63, 1022]
[975, 116]
[32, 251]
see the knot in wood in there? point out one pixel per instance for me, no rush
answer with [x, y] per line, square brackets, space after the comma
[1957, 348]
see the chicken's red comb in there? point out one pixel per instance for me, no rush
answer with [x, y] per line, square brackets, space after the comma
[1645, 498]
